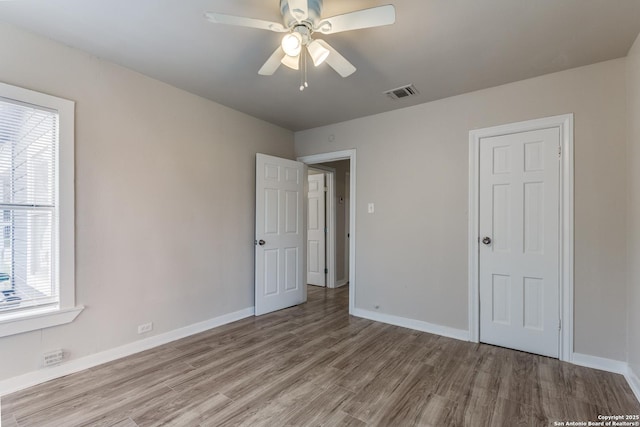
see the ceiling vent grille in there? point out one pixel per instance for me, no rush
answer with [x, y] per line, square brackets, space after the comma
[402, 92]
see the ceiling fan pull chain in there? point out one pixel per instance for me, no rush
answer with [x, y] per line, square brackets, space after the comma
[301, 80]
[305, 68]
[302, 70]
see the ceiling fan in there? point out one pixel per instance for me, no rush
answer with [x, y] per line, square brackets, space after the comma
[300, 20]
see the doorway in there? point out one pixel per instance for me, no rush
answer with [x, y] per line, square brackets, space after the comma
[521, 236]
[344, 197]
[328, 228]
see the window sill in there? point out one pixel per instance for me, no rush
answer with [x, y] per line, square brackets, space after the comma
[37, 319]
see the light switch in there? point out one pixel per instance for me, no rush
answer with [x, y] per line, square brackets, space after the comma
[371, 208]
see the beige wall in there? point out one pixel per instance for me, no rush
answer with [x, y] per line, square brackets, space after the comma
[411, 255]
[164, 200]
[633, 122]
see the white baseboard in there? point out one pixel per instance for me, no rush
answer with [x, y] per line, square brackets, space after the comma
[417, 325]
[609, 365]
[341, 282]
[634, 382]
[30, 379]
[595, 362]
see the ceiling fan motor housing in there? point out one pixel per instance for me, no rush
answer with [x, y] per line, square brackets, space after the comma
[315, 12]
[305, 32]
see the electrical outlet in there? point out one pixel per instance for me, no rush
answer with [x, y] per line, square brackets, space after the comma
[371, 208]
[144, 328]
[52, 358]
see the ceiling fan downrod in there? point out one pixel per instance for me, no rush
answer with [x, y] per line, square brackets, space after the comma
[298, 11]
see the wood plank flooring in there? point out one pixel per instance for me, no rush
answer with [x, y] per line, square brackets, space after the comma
[315, 365]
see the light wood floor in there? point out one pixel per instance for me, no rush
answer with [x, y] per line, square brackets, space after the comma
[315, 365]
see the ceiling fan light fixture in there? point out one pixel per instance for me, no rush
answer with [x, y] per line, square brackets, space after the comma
[300, 19]
[292, 62]
[292, 44]
[317, 52]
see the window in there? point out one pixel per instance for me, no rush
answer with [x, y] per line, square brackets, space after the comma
[36, 211]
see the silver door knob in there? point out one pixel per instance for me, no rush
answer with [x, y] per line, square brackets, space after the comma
[486, 241]
[261, 242]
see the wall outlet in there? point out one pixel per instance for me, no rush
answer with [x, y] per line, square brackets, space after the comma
[371, 208]
[144, 328]
[52, 358]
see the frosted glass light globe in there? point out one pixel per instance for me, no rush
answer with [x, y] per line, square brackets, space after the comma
[292, 44]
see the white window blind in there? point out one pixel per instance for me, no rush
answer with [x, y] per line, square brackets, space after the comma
[28, 211]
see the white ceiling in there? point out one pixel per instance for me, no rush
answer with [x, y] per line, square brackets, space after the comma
[444, 47]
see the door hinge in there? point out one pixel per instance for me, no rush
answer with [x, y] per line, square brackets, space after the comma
[326, 230]
[559, 324]
[326, 271]
[559, 150]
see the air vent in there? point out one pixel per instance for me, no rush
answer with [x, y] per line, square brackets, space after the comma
[402, 92]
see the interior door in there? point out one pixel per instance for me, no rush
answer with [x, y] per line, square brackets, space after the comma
[519, 241]
[280, 234]
[316, 227]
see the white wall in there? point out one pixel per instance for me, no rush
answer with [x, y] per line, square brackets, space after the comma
[411, 255]
[633, 114]
[164, 200]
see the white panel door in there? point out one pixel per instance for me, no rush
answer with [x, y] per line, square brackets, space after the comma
[519, 241]
[280, 234]
[316, 227]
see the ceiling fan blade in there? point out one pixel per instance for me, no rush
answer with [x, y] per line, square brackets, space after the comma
[366, 18]
[299, 9]
[273, 63]
[219, 18]
[337, 61]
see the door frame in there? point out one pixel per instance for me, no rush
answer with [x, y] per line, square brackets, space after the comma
[332, 157]
[565, 280]
[347, 217]
[330, 223]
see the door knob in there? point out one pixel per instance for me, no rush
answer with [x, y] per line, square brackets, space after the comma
[486, 241]
[261, 242]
